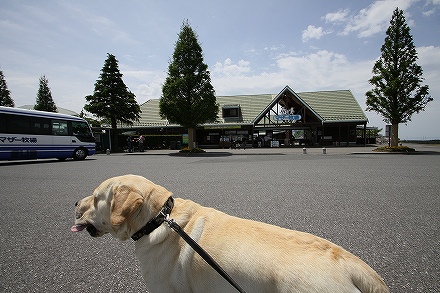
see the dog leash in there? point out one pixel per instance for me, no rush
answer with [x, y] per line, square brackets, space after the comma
[174, 226]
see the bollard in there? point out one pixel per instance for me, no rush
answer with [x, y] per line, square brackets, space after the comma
[324, 151]
[107, 152]
[304, 151]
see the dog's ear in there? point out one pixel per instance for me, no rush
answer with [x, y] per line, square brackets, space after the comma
[124, 203]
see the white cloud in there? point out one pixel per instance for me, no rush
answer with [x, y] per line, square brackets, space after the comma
[322, 70]
[429, 56]
[274, 48]
[433, 8]
[375, 18]
[145, 92]
[144, 84]
[429, 12]
[230, 69]
[367, 22]
[429, 60]
[339, 16]
[313, 32]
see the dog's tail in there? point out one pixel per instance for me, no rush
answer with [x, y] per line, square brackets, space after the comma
[366, 279]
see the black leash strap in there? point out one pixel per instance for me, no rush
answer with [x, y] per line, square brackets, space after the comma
[173, 225]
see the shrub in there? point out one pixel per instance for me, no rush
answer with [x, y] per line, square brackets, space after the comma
[192, 151]
[401, 149]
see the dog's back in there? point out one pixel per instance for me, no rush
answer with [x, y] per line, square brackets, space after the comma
[261, 257]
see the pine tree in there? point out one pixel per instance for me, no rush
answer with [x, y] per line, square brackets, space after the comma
[5, 94]
[188, 98]
[111, 98]
[44, 97]
[397, 92]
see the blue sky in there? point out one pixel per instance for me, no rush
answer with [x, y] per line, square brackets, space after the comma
[251, 47]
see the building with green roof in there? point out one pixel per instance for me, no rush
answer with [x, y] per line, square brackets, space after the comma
[266, 120]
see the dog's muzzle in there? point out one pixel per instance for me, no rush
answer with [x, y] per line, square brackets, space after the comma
[89, 227]
[79, 227]
[92, 231]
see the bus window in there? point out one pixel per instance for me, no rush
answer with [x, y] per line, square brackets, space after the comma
[41, 126]
[3, 123]
[82, 131]
[19, 124]
[80, 128]
[59, 127]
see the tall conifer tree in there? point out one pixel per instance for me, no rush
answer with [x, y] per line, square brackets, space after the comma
[397, 92]
[5, 94]
[44, 100]
[111, 98]
[188, 98]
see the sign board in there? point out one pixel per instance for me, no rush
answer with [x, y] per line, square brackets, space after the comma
[184, 138]
[275, 144]
[388, 130]
[287, 117]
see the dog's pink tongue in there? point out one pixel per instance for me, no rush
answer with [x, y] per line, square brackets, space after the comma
[77, 228]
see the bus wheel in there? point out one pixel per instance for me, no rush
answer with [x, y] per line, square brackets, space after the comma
[79, 154]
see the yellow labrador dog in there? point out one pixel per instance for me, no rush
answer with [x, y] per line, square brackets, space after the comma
[258, 256]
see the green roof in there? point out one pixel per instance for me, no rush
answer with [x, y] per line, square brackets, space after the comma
[329, 106]
[334, 106]
[251, 105]
[150, 114]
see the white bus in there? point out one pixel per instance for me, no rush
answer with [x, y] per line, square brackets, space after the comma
[30, 134]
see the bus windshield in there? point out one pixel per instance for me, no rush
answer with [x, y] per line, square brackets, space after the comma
[82, 131]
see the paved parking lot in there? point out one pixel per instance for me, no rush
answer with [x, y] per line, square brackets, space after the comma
[383, 208]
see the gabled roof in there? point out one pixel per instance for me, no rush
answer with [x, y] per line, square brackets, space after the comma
[150, 114]
[334, 106]
[277, 99]
[328, 106]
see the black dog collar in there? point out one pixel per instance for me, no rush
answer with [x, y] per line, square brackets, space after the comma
[156, 221]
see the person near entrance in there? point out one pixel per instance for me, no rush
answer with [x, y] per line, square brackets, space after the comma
[129, 145]
[141, 140]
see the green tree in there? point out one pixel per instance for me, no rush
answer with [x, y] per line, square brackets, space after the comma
[397, 91]
[111, 98]
[44, 97]
[5, 94]
[188, 98]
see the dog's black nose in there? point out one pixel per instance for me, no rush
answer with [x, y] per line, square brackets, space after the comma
[77, 203]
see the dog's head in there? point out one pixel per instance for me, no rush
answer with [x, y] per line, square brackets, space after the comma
[119, 206]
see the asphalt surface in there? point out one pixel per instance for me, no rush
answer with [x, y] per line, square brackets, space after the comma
[382, 207]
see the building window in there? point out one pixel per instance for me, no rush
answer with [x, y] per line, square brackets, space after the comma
[231, 111]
